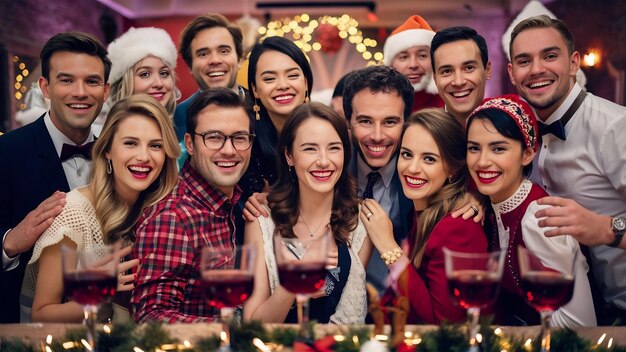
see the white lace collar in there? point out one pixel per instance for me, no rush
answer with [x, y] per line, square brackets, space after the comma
[516, 199]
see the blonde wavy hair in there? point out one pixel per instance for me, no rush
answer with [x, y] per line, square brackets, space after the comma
[125, 87]
[450, 138]
[114, 215]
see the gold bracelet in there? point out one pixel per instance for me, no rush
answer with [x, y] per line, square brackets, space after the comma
[392, 256]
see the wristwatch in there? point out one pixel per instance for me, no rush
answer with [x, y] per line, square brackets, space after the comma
[618, 226]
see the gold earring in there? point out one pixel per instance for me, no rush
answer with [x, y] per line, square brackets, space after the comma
[306, 97]
[256, 108]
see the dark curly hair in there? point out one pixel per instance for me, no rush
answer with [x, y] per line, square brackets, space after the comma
[377, 79]
[284, 194]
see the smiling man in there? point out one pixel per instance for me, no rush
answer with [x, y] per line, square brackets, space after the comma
[212, 49]
[376, 100]
[407, 49]
[582, 154]
[51, 154]
[198, 212]
[461, 69]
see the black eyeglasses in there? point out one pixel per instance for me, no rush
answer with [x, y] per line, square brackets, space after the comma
[216, 140]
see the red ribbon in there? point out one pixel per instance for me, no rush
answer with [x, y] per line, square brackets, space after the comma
[322, 345]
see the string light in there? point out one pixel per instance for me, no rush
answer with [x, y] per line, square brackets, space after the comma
[22, 72]
[302, 27]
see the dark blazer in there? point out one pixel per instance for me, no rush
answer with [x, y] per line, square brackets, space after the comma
[31, 172]
[376, 269]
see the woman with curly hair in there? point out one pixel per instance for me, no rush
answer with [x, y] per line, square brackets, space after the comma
[313, 196]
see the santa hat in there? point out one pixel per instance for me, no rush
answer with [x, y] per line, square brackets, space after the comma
[136, 44]
[414, 31]
[534, 8]
[517, 109]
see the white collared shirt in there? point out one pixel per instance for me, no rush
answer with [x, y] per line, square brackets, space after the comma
[590, 168]
[77, 171]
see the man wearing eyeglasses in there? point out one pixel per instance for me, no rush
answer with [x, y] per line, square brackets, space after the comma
[198, 212]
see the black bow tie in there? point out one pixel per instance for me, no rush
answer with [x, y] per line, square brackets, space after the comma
[69, 151]
[556, 128]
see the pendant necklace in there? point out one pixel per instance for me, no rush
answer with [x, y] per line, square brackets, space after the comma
[312, 233]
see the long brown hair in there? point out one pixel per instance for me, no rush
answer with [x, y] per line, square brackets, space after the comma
[450, 138]
[284, 194]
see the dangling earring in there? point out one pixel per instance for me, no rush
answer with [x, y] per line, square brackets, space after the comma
[306, 97]
[256, 108]
[450, 178]
[109, 166]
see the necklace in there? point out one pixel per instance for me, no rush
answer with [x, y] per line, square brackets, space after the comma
[312, 233]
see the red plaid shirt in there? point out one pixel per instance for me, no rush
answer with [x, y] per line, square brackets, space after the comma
[170, 237]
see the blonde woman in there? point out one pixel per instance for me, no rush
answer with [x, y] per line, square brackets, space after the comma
[143, 61]
[134, 166]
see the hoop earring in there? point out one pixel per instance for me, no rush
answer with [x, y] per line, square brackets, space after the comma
[256, 108]
[109, 166]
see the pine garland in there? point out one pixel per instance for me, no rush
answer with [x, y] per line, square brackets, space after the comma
[150, 337]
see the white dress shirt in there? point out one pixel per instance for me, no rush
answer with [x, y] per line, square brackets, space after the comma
[77, 171]
[590, 168]
[553, 253]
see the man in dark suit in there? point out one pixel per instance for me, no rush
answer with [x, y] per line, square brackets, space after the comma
[49, 155]
[376, 100]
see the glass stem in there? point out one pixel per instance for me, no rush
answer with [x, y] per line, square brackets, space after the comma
[227, 315]
[91, 312]
[302, 302]
[473, 314]
[546, 317]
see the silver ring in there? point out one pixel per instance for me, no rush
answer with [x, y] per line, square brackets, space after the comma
[369, 215]
[475, 209]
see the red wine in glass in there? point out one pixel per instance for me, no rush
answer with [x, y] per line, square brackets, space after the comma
[473, 288]
[302, 278]
[90, 287]
[547, 290]
[227, 288]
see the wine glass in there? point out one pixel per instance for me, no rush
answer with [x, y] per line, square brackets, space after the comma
[546, 289]
[90, 278]
[227, 280]
[302, 270]
[474, 283]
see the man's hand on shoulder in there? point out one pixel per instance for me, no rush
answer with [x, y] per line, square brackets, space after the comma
[570, 218]
[22, 237]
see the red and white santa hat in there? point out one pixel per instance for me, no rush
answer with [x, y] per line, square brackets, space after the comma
[414, 31]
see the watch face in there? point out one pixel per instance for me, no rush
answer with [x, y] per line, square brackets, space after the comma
[619, 224]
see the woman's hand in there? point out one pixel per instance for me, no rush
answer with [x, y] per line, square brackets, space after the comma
[126, 282]
[378, 225]
[255, 206]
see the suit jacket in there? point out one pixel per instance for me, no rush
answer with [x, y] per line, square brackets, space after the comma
[376, 269]
[31, 172]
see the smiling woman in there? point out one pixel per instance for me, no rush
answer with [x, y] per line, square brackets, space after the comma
[134, 166]
[280, 78]
[143, 61]
[313, 188]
